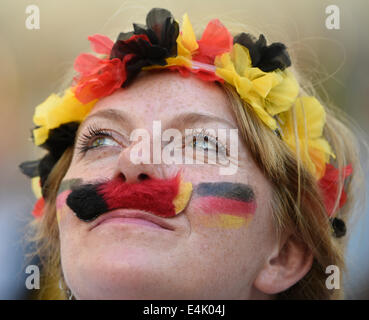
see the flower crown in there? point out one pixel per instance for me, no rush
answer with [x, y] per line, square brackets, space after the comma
[259, 72]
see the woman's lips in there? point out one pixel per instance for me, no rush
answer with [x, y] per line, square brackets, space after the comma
[128, 216]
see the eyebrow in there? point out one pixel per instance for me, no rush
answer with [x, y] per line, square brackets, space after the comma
[117, 116]
[191, 118]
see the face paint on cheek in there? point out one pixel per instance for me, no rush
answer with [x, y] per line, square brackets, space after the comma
[225, 204]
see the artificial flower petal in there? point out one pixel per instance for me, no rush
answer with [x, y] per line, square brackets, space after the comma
[38, 208]
[57, 141]
[36, 187]
[264, 84]
[183, 71]
[40, 135]
[310, 111]
[101, 44]
[310, 119]
[141, 51]
[253, 85]
[241, 59]
[215, 40]
[187, 36]
[317, 161]
[149, 45]
[328, 185]
[183, 52]
[108, 77]
[30, 168]
[267, 58]
[206, 75]
[178, 61]
[282, 96]
[56, 110]
[86, 64]
[162, 30]
[264, 116]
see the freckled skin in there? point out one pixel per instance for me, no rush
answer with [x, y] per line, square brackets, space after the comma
[116, 261]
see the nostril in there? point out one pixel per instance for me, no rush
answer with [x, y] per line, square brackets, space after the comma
[142, 177]
[122, 177]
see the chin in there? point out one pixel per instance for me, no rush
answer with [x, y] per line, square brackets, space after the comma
[116, 272]
[118, 284]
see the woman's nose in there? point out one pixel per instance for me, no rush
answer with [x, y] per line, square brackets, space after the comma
[133, 172]
[128, 177]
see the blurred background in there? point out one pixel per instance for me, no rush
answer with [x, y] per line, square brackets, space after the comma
[33, 63]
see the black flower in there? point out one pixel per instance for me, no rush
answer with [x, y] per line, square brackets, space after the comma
[339, 227]
[148, 45]
[58, 141]
[264, 57]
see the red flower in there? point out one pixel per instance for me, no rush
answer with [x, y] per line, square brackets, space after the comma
[215, 40]
[98, 77]
[328, 185]
[202, 74]
[101, 44]
[38, 208]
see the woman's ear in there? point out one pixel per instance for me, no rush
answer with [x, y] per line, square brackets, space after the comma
[287, 265]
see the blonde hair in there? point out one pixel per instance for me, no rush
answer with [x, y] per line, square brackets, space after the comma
[297, 204]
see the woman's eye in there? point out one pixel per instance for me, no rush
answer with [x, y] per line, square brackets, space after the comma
[103, 141]
[209, 144]
[205, 144]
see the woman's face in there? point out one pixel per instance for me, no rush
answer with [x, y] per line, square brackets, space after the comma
[197, 257]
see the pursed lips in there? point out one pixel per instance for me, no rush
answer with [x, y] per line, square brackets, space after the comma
[134, 215]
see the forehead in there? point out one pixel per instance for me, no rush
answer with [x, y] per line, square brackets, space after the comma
[164, 95]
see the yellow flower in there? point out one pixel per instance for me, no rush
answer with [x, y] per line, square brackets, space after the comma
[55, 111]
[36, 187]
[268, 93]
[310, 119]
[186, 41]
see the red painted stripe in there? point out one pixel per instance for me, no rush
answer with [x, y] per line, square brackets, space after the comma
[216, 205]
[152, 195]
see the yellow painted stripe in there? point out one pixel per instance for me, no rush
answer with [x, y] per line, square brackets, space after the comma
[225, 221]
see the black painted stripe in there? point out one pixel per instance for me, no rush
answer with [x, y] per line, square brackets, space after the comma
[86, 202]
[229, 190]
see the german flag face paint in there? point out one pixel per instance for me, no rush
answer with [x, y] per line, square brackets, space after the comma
[163, 197]
[225, 204]
[221, 204]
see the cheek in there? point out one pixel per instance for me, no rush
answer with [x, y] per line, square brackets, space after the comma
[98, 165]
[224, 204]
[68, 223]
[61, 204]
[71, 233]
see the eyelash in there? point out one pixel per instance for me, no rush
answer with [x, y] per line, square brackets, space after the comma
[208, 137]
[92, 134]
